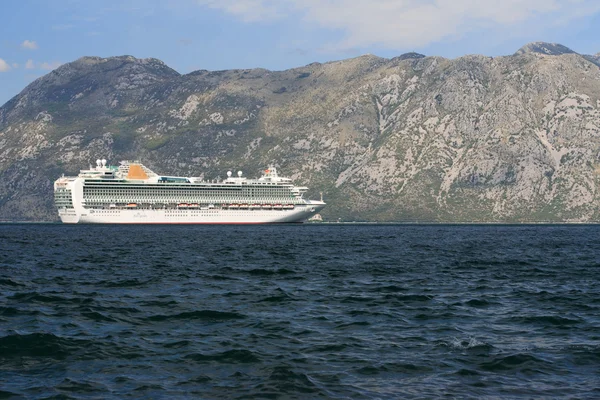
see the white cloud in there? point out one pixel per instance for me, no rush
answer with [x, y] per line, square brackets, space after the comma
[50, 65]
[4, 66]
[29, 64]
[29, 45]
[411, 23]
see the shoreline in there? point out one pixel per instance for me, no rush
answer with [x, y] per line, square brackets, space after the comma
[417, 223]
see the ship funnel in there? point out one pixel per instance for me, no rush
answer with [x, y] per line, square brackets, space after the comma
[104, 162]
[240, 174]
[98, 162]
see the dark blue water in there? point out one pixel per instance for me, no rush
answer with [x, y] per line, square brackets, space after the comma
[302, 311]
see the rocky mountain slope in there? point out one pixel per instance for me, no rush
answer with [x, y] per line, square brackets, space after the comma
[513, 138]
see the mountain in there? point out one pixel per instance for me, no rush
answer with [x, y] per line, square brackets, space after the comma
[595, 59]
[412, 138]
[550, 49]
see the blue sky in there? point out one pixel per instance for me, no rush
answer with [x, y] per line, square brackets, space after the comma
[39, 35]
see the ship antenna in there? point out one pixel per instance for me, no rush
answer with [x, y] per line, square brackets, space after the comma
[321, 193]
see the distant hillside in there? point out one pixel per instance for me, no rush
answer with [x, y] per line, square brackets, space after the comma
[513, 138]
[549, 49]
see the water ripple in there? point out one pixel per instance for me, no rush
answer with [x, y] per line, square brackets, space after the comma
[306, 311]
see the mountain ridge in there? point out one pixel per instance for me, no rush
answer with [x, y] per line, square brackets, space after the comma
[477, 138]
[551, 49]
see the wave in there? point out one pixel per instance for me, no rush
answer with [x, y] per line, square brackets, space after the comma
[96, 316]
[207, 315]
[471, 344]
[547, 320]
[151, 387]
[9, 395]
[229, 357]
[44, 345]
[15, 312]
[514, 362]
[352, 324]
[283, 379]
[125, 283]
[30, 297]
[276, 299]
[478, 303]
[408, 298]
[196, 380]
[159, 303]
[47, 346]
[327, 348]
[9, 282]
[177, 345]
[390, 289]
[71, 385]
[269, 272]
[278, 296]
[357, 299]
[396, 368]
[585, 355]
[466, 372]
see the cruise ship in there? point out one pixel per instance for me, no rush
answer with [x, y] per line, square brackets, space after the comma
[133, 194]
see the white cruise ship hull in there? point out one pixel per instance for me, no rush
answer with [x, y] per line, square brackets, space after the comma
[191, 216]
[133, 194]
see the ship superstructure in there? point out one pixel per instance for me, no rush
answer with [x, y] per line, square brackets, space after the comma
[132, 193]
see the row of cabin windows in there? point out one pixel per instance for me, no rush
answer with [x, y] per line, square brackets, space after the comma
[272, 200]
[154, 196]
[185, 192]
[187, 196]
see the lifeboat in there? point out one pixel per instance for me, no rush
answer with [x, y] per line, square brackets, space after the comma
[244, 206]
[278, 207]
[288, 206]
[131, 205]
[182, 205]
[266, 206]
[193, 205]
[255, 206]
[234, 206]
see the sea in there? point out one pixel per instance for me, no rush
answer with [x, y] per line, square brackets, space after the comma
[307, 311]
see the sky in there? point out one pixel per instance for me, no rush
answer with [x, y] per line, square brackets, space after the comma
[40, 35]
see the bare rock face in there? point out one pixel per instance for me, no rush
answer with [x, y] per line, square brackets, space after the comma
[506, 139]
[595, 59]
[549, 49]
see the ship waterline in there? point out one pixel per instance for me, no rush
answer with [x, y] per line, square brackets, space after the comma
[132, 193]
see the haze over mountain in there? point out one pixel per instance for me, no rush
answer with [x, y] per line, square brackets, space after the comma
[514, 138]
